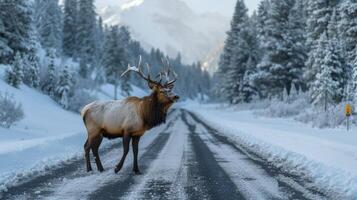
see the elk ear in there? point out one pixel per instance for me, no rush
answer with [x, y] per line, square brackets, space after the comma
[151, 85]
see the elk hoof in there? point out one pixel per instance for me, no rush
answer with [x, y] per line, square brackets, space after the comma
[89, 169]
[116, 170]
[137, 172]
[101, 170]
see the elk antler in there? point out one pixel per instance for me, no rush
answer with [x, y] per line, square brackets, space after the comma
[166, 72]
[139, 71]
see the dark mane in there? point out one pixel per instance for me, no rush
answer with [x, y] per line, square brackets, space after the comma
[153, 111]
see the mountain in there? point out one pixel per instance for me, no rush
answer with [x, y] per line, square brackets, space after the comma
[172, 26]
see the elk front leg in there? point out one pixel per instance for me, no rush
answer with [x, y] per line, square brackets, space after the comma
[126, 144]
[135, 144]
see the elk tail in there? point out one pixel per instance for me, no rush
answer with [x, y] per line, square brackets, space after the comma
[85, 109]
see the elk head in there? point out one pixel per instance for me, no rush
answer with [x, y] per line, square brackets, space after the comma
[162, 90]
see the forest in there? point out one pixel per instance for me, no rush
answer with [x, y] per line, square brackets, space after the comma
[65, 51]
[291, 46]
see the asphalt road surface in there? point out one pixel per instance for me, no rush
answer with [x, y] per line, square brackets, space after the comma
[182, 159]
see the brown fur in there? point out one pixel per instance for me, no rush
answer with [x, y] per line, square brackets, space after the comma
[152, 111]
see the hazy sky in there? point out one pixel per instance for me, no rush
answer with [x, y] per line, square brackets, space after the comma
[224, 7]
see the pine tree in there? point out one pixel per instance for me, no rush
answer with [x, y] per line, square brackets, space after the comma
[100, 42]
[115, 58]
[223, 88]
[99, 39]
[248, 89]
[63, 87]
[70, 33]
[14, 75]
[32, 66]
[319, 15]
[32, 71]
[83, 69]
[348, 28]
[353, 83]
[294, 92]
[124, 39]
[49, 84]
[5, 50]
[86, 31]
[281, 64]
[235, 55]
[125, 86]
[49, 24]
[296, 35]
[326, 88]
[14, 28]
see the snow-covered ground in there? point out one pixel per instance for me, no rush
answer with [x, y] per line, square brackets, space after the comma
[47, 136]
[328, 156]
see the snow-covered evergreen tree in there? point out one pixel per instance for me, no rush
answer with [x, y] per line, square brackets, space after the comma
[70, 32]
[235, 57]
[31, 70]
[99, 39]
[83, 69]
[282, 62]
[49, 24]
[262, 18]
[14, 28]
[49, 84]
[113, 61]
[63, 87]
[353, 83]
[14, 75]
[294, 92]
[125, 86]
[115, 58]
[319, 15]
[5, 50]
[125, 39]
[348, 28]
[87, 31]
[32, 61]
[224, 88]
[296, 37]
[248, 88]
[326, 88]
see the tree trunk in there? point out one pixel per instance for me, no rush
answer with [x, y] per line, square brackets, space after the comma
[115, 90]
[325, 101]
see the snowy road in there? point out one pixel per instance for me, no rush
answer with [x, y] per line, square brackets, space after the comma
[183, 159]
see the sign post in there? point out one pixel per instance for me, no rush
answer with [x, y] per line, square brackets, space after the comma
[348, 113]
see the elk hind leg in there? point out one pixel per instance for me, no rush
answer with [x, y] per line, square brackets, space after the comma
[135, 144]
[86, 155]
[95, 147]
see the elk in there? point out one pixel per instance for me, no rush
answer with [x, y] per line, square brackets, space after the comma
[129, 118]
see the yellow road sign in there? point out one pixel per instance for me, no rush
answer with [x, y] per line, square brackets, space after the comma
[348, 110]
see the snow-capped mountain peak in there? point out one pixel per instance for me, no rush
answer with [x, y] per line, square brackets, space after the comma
[132, 3]
[172, 26]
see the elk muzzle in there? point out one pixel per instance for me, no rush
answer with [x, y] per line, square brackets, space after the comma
[175, 98]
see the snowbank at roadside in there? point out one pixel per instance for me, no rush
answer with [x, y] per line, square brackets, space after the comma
[328, 156]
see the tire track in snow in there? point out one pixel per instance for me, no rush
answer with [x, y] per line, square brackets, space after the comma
[291, 187]
[166, 177]
[207, 178]
[32, 187]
